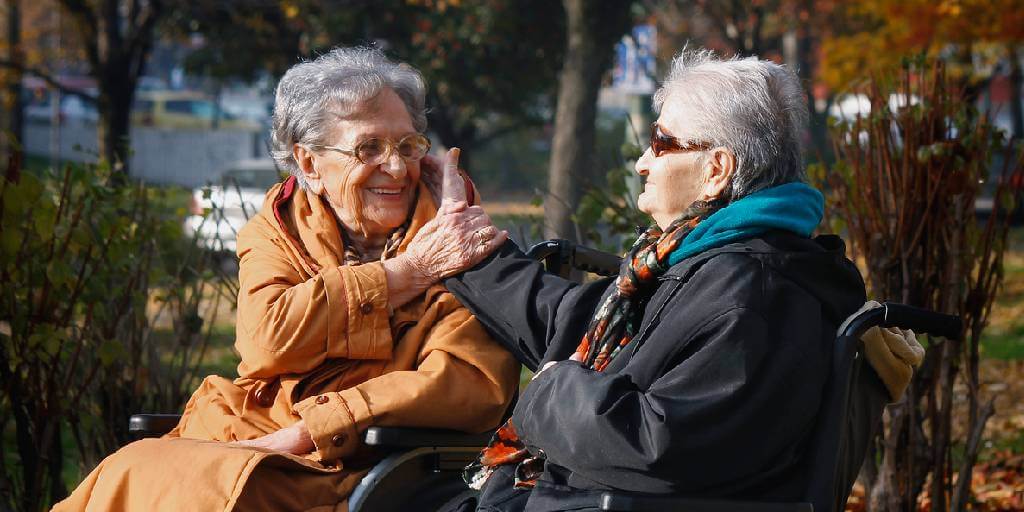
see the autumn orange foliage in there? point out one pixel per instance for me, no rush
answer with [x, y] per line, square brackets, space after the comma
[878, 34]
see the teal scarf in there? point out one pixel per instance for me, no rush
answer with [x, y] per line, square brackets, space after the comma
[794, 207]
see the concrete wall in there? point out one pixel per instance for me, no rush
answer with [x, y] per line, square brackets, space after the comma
[182, 157]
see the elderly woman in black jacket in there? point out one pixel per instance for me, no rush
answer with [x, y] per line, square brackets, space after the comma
[699, 370]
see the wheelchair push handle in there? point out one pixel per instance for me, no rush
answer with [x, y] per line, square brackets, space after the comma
[560, 256]
[598, 262]
[921, 321]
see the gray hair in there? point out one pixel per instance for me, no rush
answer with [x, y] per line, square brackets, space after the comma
[312, 95]
[756, 108]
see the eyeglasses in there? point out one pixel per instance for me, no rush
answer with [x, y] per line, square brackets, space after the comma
[661, 143]
[376, 151]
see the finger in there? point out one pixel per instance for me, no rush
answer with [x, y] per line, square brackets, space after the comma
[576, 357]
[454, 188]
[448, 207]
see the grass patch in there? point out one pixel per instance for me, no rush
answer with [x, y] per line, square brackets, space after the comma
[1003, 338]
[1006, 345]
[219, 358]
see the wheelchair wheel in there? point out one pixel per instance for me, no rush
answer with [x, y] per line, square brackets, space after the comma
[423, 479]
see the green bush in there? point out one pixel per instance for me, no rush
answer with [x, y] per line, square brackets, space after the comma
[610, 211]
[90, 270]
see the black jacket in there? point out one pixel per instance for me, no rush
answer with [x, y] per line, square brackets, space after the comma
[716, 394]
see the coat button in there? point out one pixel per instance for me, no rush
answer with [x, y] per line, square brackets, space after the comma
[338, 439]
[264, 397]
[366, 308]
[322, 399]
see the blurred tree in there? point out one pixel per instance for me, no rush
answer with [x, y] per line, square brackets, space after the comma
[593, 29]
[45, 49]
[15, 109]
[790, 31]
[483, 81]
[979, 40]
[490, 64]
[117, 36]
[242, 40]
[238, 40]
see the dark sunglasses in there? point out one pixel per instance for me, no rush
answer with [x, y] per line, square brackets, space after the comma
[660, 143]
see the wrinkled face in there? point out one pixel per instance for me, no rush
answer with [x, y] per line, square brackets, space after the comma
[675, 178]
[370, 199]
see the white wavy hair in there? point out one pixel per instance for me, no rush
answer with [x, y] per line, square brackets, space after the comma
[313, 95]
[754, 107]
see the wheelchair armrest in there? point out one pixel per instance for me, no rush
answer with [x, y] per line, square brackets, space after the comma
[561, 256]
[402, 437]
[623, 501]
[152, 425]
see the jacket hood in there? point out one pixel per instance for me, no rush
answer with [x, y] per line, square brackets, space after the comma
[818, 265]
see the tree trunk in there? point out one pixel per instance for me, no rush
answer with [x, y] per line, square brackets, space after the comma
[593, 29]
[16, 113]
[1016, 80]
[115, 104]
[117, 39]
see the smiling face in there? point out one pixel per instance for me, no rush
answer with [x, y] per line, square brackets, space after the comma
[371, 200]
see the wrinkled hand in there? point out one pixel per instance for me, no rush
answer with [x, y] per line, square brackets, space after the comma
[294, 439]
[459, 237]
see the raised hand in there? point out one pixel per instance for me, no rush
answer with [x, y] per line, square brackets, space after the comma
[453, 188]
[459, 237]
[438, 171]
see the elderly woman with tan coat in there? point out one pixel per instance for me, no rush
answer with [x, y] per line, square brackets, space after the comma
[334, 331]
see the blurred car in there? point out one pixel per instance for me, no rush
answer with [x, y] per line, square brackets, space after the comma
[256, 110]
[182, 110]
[220, 209]
[39, 109]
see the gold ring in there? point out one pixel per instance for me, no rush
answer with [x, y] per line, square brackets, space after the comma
[485, 235]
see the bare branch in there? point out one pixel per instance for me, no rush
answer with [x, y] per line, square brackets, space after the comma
[962, 489]
[140, 39]
[49, 79]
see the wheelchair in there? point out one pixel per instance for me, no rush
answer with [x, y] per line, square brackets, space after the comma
[422, 468]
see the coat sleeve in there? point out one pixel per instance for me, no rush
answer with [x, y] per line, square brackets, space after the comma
[463, 380]
[713, 418]
[536, 315]
[289, 324]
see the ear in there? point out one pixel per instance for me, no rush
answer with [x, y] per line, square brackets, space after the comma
[719, 167]
[305, 159]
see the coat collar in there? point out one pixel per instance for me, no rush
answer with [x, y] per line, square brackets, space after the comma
[766, 244]
[308, 226]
